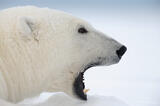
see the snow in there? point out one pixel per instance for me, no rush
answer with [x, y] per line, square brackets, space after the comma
[61, 99]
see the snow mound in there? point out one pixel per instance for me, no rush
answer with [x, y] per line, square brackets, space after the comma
[61, 99]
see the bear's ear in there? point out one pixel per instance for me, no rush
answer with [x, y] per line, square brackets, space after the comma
[27, 27]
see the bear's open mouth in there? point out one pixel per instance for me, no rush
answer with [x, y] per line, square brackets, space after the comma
[78, 85]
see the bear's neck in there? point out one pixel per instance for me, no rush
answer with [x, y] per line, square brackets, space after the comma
[63, 82]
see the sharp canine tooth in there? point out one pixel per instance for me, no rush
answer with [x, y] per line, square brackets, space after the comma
[86, 90]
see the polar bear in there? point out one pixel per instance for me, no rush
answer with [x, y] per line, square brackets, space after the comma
[48, 50]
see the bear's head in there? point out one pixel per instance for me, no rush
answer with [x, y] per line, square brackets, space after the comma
[77, 46]
[60, 48]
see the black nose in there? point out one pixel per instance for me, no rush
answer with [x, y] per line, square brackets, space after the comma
[121, 51]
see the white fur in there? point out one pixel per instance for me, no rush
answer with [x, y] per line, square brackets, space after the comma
[41, 50]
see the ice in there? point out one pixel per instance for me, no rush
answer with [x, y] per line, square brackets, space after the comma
[62, 99]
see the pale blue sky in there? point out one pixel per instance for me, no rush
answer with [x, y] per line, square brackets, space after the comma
[81, 4]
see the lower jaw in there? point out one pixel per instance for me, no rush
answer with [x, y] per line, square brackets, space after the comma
[78, 85]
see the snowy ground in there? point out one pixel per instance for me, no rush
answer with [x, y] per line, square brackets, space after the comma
[61, 99]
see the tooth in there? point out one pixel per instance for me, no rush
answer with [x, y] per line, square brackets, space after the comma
[86, 90]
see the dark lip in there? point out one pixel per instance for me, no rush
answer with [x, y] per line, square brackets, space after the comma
[78, 85]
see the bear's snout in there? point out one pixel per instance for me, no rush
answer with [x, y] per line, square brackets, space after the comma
[121, 51]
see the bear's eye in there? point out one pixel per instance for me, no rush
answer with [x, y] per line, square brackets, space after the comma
[82, 30]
